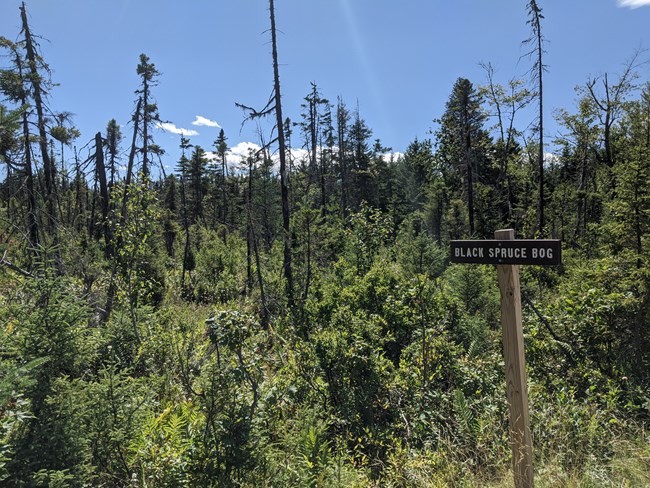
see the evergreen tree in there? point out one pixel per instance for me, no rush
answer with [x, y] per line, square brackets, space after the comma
[13, 84]
[183, 168]
[113, 139]
[361, 162]
[221, 147]
[630, 209]
[197, 179]
[9, 144]
[100, 175]
[382, 171]
[342, 121]
[170, 199]
[461, 143]
[313, 115]
[415, 170]
[149, 78]
[327, 144]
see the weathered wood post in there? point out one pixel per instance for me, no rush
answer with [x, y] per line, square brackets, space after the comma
[515, 366]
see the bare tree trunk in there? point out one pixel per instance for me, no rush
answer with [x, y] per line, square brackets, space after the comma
[537, 39]
[32, 223]
[129, 167]
[145, 128]
[93, 205]
[540, 157]
[284, 189]
[37, 90]
[323, 189]
[103, 185]
[249, 228]
[78, 196]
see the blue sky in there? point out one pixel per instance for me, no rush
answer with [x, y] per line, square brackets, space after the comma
[399, 60]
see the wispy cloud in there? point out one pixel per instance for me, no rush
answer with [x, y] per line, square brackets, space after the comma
[169, 127]
[205, 122]
[634, 3]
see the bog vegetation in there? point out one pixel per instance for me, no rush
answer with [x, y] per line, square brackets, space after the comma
[295, 321]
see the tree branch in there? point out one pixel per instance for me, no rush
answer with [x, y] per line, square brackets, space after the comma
[13, 267]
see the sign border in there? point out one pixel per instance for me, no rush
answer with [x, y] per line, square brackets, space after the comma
[528, 244]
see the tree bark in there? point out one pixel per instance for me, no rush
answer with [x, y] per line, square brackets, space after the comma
[249, 227]
[100, 168]
[32, 223]
[540, 161]
[145, 126]
[48, 168]
[537, 29]
[284, 189]
[129, 168]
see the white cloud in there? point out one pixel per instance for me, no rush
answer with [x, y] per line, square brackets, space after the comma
[633, 3]
[241, 150]
[235, 155]
[169, 127]
[550, 159]
[392, 156]
[298, 154]
[203, 121]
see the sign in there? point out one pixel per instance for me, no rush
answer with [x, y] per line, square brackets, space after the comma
[506, 252]
[542, 252]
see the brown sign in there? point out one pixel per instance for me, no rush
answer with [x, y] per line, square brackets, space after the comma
[541, 252]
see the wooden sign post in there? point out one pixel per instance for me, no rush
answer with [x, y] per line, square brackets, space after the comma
[515, 365]
[508, 253]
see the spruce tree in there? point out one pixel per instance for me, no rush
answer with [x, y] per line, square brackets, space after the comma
[460, 139]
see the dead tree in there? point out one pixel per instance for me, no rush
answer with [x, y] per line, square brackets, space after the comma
[274, 105]
[537, 41]
[38, 94]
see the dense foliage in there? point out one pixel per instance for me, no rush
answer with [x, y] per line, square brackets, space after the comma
[149, 338]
